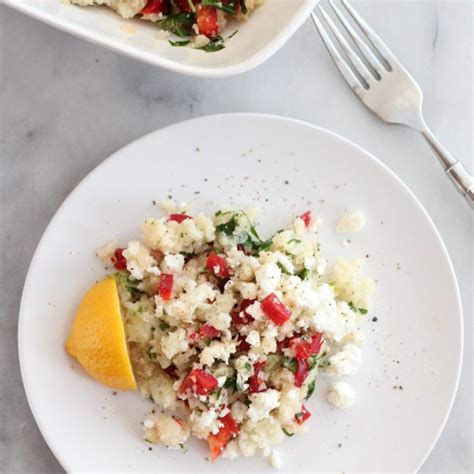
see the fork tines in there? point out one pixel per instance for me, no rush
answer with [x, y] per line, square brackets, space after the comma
[360, 75]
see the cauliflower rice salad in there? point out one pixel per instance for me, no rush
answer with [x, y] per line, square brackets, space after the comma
[227, 331]
[199, 23]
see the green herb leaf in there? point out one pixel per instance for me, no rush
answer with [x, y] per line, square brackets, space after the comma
[357, 310]
[179, 43]
[303, 274]
[248, 367]
[178, 23]
[233, 34]
[312, 361]
[294, 241]
[151, 354]
[227, 227]
[283, 268]
[231, 383]
[311, 388]
[287, 433]
[164, 326]
[215, 44]
[225, 7]
[289, 363]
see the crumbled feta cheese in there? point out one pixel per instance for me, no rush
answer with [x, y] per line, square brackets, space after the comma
[239, 411]
[247, 290]
[255, 310]
[174, 342]
[220, 321]
[347, 361]
[173, 263]
[268, 278]
[341, 395]
[262, 404]
[217, 351]
[351, 222]
[274, 459]
[139, 260]
[148, 424]
[253, 338]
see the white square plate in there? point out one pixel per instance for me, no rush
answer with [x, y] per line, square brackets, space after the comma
[266, 31]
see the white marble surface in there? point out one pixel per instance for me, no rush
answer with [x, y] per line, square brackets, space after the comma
[65, 105]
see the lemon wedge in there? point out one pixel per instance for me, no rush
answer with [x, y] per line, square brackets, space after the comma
[97, 338]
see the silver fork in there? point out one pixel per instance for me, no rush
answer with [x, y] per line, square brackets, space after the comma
[385, 86]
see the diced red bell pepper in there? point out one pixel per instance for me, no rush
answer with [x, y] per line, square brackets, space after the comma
[240, 316]
[208, 331]
[301, 348]
[227, 431]
[199, 382]
[119, 261]
[275, 309]
[178, 217]
[306, 217]
[255, 380]
[304, 349]
[156, 7]
[301, 372]
[193, 337]
[316, 343]
[165, 286]
[283, 344]
[302, 416]
[217, 265]
[243, 345]
[206, 19]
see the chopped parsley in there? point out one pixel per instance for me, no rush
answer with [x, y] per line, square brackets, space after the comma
[287, 433]
[230, 7]
[151, 354]
[289, 363]
[179, 43]
[312, 362]
[227, 227]
[357, 310]
[181, 24]
[164, 326]
[303, 274]
[248, 367]
[215, 44]
[283, 269]
[311, 388]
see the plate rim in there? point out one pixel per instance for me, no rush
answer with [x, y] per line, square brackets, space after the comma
[368, 155]
[97, 38]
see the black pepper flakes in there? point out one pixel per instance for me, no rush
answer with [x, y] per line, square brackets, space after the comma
[375, 319]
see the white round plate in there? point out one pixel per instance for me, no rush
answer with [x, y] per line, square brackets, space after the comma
[406, 386]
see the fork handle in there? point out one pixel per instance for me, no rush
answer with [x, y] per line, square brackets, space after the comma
[459, 176]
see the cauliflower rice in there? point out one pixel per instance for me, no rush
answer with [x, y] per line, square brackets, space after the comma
[227, 331]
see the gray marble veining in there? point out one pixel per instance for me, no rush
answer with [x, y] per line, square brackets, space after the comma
[65, 105]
